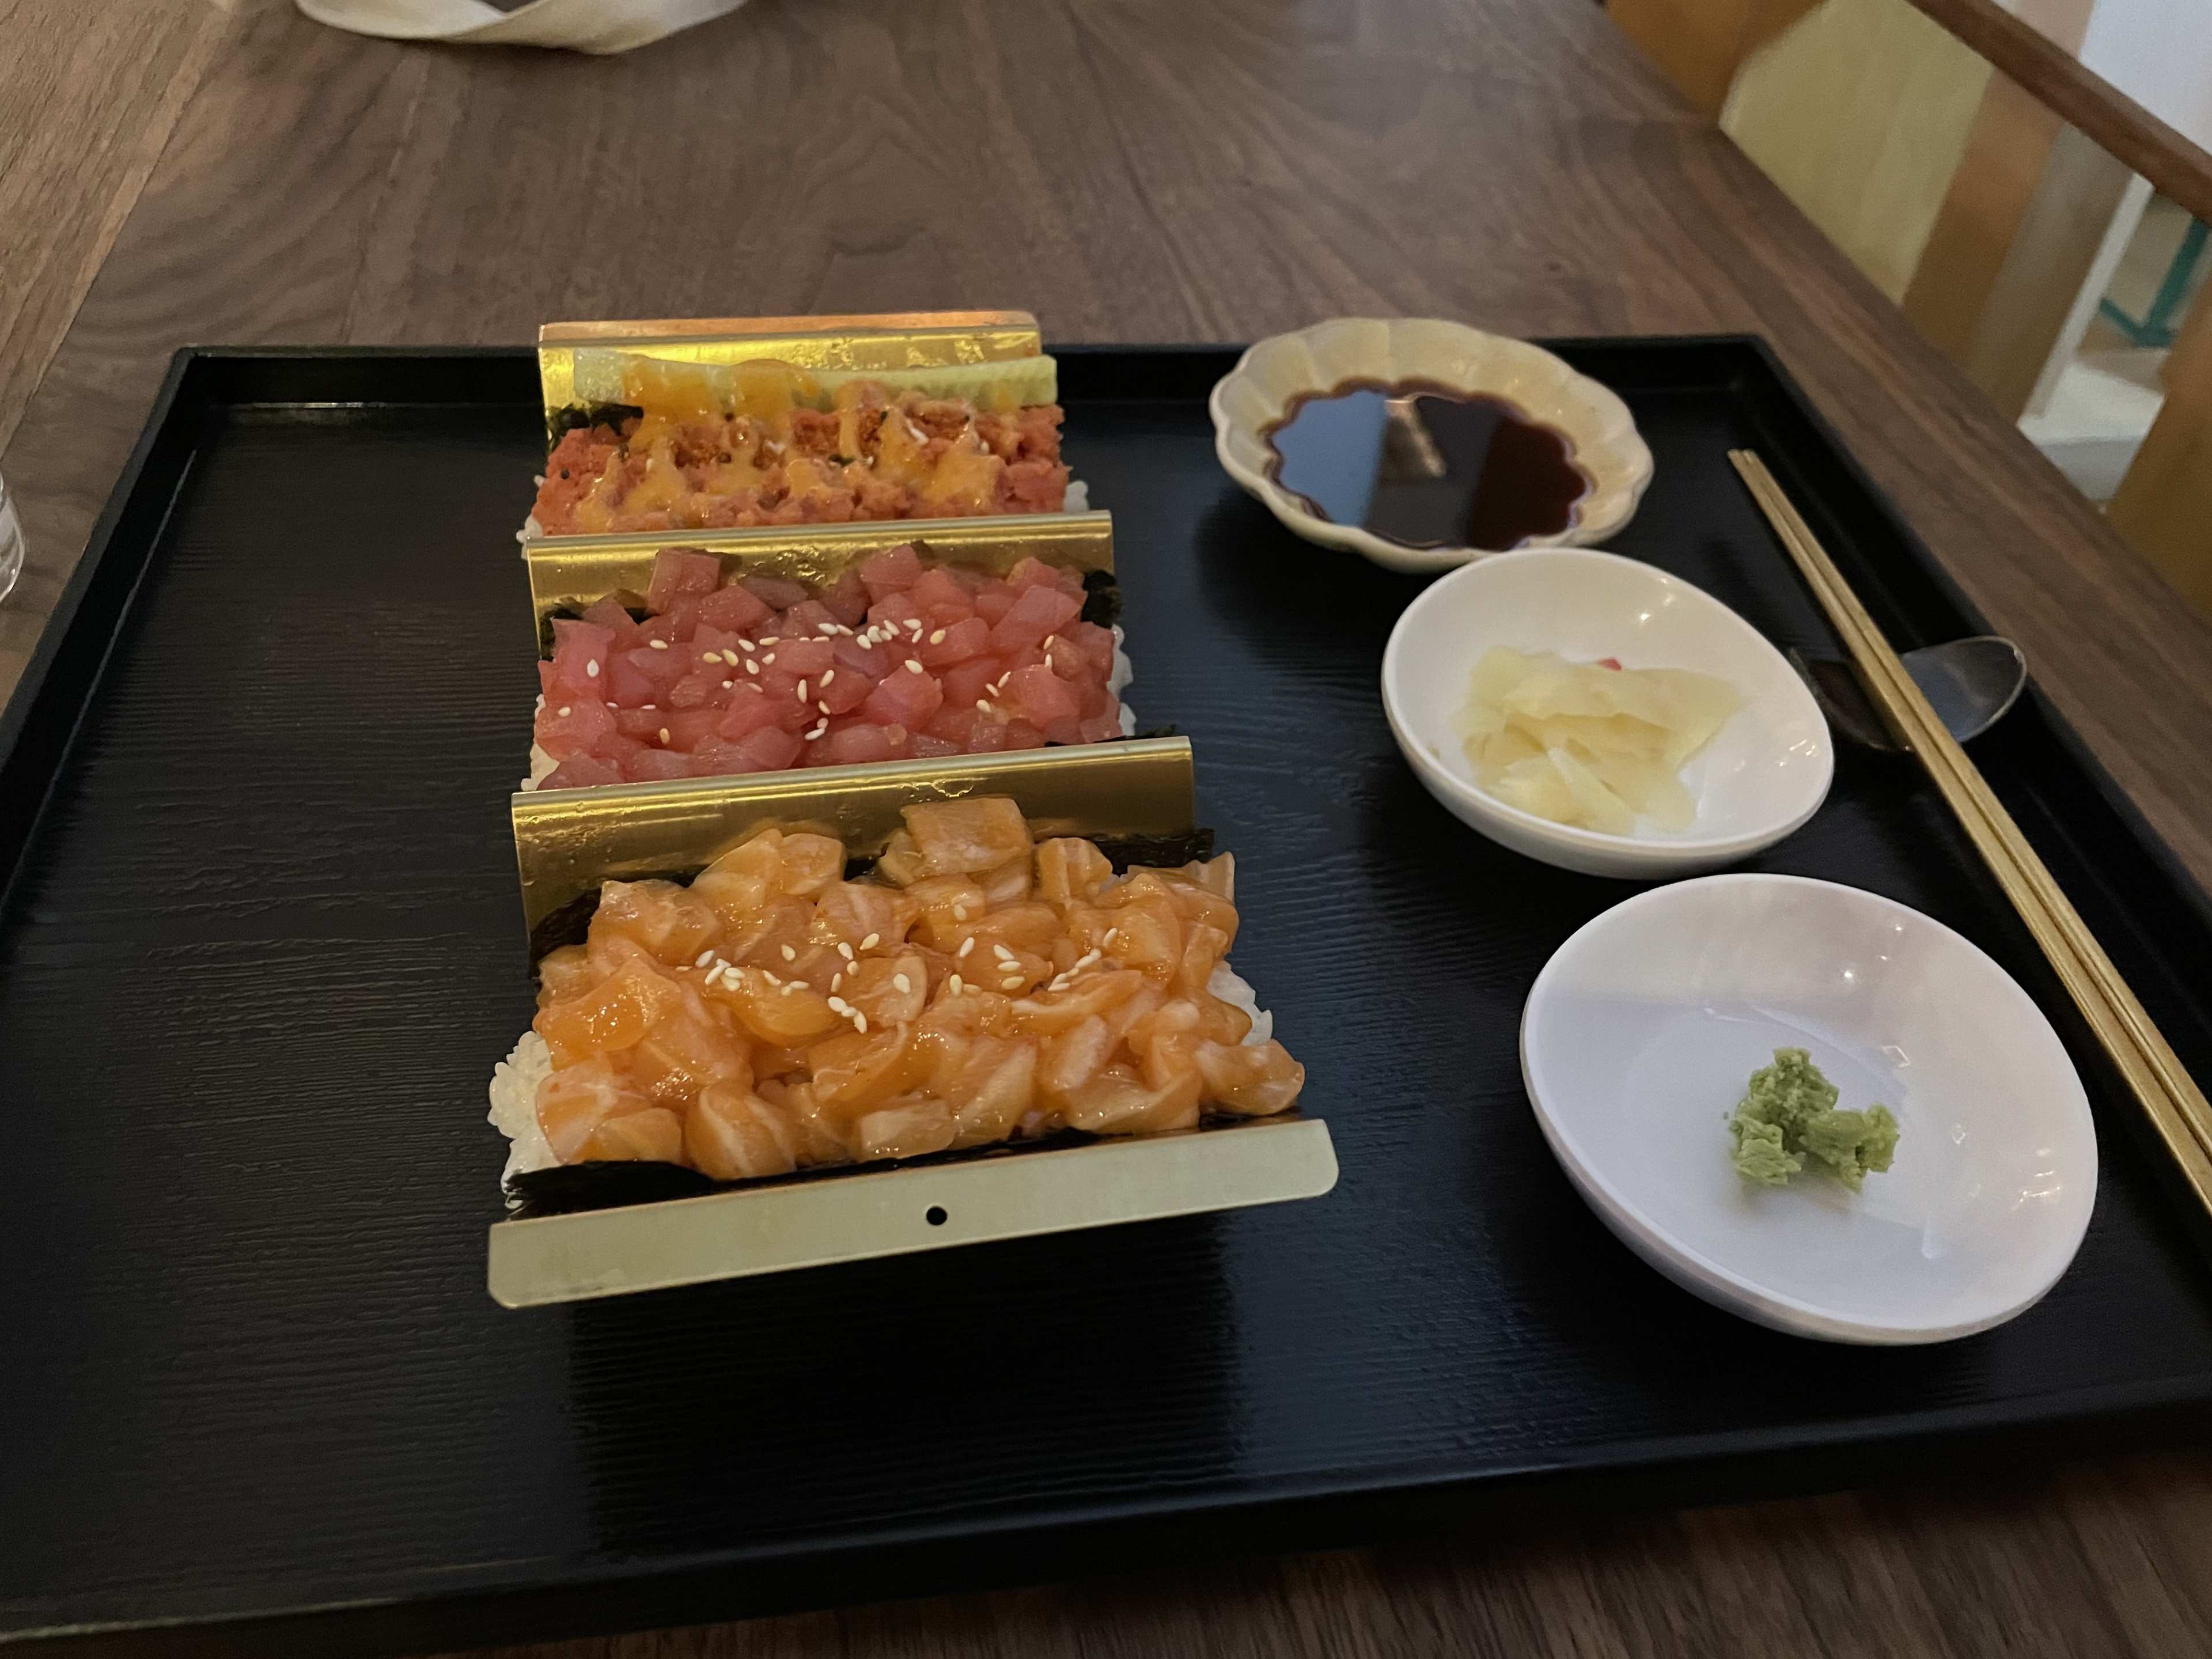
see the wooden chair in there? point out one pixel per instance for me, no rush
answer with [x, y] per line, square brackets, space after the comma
[1983, 177]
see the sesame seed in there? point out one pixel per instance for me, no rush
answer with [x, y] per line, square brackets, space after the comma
[817, 732]
[839, 1005]
[1113, 933]
[901, 983]
[710, 656]
[766, 656]
[966, 946]
[802, 690]
[728, 686]
[845, 951]
[828, 675]
[770, 639]
[746, 645]
[869, 942]
[954, 981]
[795, 984]
[650, 708]
[658, 644]
[913, 626]
[912, 666]
[790, 954]
[937, 638]
[1002, 953]
[999, 684]
[704, 957]
[959, 913]
[752, 667]
[836, 981]
[770, 977]
[859, 1022]
[823, 707]
[663, 734]
[592, 669]
[730, 658]
[563, 711]
[1011, 984]
[981, 704]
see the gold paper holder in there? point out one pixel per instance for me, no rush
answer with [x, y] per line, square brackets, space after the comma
[567, 841]
[885, 342]
[1017, 1193]
[567, 572]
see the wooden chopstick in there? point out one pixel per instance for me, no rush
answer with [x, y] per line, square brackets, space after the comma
[2176, 1106]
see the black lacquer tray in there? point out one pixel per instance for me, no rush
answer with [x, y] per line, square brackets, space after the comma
[260, 946]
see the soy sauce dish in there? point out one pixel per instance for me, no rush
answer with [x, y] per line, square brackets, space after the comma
[1761, 775]
[1423, 444]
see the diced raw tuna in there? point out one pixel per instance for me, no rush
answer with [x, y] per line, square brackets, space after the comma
[771, 749]
[897, 611]
[775, 592]
[643, 724]
[688, 728]
[1035, 573]
[610, 613]
[1101, 728]
[903, 699]
[628, 686]
[574, 727]
[809, 621]
[661, 668]
[680, 573]
[848, 601]
[866, 661]
[656, 766]
[582, 772]
[858, 745]
[847, 690]
[546, 684]
[1095, 644]
[805, 658]
[890, 571]
[735, 608]
[941, 598]
[967, 682]
[580, 650]
[1039, 613]
[922, 746]
[992, 604]
[749, 711]
[954, 642]
[1042, 696]
[700, 688]
[1020, 734]
[717, 757]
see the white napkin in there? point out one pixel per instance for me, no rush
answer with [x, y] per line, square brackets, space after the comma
[594, 26]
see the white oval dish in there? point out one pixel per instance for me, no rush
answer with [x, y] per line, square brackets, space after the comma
[1761, 776]
[1642, 1031]
[1254, 395]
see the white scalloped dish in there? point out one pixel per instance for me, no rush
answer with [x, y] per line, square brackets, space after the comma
[1256, 395]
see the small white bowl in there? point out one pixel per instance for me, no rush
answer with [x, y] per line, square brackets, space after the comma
[1253, 395]
[1762, 775]
[1642, 1029]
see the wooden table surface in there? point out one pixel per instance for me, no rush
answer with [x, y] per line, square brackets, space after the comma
[1131, 170]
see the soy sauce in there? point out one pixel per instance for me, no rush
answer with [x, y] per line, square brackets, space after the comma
[1420, 463]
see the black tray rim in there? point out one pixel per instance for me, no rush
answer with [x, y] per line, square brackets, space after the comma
[1307, 1513]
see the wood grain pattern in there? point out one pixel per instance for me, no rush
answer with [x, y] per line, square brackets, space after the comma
[2164, 505]
[1137, 170]
[2084, 99]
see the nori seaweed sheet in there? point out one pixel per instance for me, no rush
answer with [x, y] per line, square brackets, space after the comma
[561, 421]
